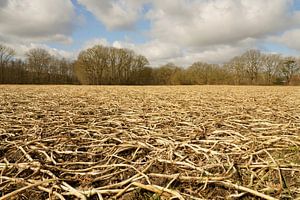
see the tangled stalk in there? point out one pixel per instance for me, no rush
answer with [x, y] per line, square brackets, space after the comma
[180, 142]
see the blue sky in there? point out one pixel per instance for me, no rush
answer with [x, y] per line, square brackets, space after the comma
[178, 31]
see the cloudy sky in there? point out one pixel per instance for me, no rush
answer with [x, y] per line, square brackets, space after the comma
[178, 31]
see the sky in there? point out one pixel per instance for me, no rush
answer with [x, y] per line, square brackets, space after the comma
[177, 31]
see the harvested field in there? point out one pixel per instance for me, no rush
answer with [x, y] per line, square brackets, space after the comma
[181, 142]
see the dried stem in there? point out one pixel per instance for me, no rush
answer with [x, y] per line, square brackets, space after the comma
[187, 142]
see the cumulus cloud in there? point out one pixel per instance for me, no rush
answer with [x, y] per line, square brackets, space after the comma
[115, 14]
[159, 53]
[22, 48]
[53, 51]
[95, 41]
[37, 20]
[154, 50]
[216, 55]
[184, 31]
[289, 38]
[205, 23]
[179, 31]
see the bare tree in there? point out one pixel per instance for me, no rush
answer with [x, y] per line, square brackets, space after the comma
[137, 72]
[38, 60]
[289, 68]
[251, 60]
[200, 73]
[6, 55]
[107, 65]
[270, 66]
[166, 74]
[236, 68]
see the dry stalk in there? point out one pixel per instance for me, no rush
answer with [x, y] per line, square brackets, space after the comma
[187, 142]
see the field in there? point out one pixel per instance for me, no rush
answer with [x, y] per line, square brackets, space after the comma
[151, 142]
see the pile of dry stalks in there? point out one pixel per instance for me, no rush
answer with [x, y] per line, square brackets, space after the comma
[198, 142]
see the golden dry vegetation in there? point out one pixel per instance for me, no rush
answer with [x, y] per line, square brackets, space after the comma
[158, 142]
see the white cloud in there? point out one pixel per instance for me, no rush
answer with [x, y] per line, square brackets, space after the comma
[185, 31]
[153, 50]
[36, 20]
[216, 55]
[115, 14]
[181, 31]
[96, 41]
[194, 23]
[159, 53]
[289, 38]
[22, 48]
[27, 24]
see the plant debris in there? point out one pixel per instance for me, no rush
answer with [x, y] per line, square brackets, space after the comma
[149, 142]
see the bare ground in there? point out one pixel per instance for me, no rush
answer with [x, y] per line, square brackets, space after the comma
[180, 142]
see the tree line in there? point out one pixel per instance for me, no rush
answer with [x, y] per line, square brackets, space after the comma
[108, 65]
[101, 65]
[38, 67]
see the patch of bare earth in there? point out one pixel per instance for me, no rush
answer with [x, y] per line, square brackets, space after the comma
[181, 142]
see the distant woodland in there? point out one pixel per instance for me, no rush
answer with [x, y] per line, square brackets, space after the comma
[101, 65]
